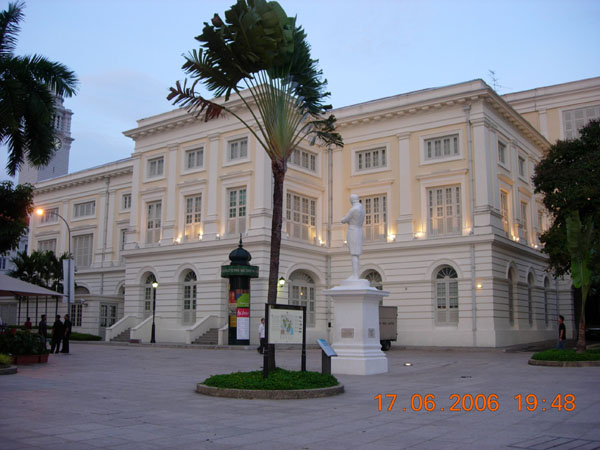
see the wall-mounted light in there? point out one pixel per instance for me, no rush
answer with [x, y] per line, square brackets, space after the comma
[391, 237]
[419, 234]
[178, 240]
[479, 285]
[321, 242]
[281, 282]
[218, 236]
[200, 236]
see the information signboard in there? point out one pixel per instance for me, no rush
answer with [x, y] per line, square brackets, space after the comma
[285, 326]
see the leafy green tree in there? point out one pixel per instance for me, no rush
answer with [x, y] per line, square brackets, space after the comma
[568, 177]
[27, 88]
[579, 237]
[15, 208]
[262, 55]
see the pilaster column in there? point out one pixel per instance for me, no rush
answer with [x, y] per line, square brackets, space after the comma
[404, 224]
[132, 236]
[168, 226]
[212, 190]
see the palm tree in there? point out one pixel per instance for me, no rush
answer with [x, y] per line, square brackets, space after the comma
[262, 50]
[28, 85]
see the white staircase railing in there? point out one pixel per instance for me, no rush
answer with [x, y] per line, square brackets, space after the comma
[200, 327]
[143, 331]
[117, 328]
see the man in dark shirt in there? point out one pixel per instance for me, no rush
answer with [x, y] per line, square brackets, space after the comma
[67, 334]
[57, 334]
[43, 329]
[562, 333]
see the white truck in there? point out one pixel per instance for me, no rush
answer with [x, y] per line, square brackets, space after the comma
[388, 326]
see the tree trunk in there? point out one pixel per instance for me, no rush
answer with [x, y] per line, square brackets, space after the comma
[581, 345]
[279, 168]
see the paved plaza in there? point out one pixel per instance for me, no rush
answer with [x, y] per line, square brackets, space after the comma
[142, 397]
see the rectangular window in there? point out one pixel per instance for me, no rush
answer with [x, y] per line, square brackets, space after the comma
[504, 210]
[375, 225]
[122, 238]
[501, 152]
[193, 217]
[524, 224]
[236, 222]
[153, 215]
[50, 216]
[108, 315]
[300, 215]
[306, 160]
[194, 159]
[575, 119]
[85, 209]
[156, 167]
[540, 215]
[522, 167]
[47, 245]
[237, 149]
[371, 159]
[82, 250]
[126, 201]
[76, 313]
[444, 210]
[441, 147]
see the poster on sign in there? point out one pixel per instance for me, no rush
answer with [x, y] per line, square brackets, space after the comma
[243, 323]
[285, 326]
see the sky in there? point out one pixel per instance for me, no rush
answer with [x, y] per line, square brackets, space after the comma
[127, 53]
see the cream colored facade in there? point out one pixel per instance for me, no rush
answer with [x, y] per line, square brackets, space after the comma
[451, 228]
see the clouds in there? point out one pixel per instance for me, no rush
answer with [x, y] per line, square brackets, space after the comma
[128, 53]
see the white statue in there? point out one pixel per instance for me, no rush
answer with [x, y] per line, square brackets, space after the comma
[355, 219]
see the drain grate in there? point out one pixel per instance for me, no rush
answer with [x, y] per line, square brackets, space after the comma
[557, 443]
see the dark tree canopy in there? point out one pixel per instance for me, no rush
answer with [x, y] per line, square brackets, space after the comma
[15, 206]
[569, 179]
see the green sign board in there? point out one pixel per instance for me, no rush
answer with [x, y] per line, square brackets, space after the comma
[239, 271]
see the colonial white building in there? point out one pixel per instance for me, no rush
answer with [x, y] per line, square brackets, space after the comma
[451, 228]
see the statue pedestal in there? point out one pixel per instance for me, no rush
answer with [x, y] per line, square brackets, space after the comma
[356, 329]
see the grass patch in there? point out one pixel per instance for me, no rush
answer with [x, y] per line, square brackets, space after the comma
[84, 337]
[567, 355]
[280, 379]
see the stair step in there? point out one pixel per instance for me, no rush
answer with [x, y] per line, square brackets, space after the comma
[211, 337]
[125, 336]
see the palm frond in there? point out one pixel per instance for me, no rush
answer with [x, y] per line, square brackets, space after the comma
[9, 27]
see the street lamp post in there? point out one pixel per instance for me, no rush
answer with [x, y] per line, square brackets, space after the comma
[153, 337]
[41, 212]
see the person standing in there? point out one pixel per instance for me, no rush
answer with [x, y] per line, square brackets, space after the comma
[261, 337]
[43, 329]
[57, 334]
[66, 335]
[27, 324]
[562, 333]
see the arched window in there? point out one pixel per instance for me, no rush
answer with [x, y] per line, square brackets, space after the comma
[150, 278]
[122, 290]
[546, 295]
[189, 297]
[511, 297]
[374, 279]
[80, 290]
[446, 292]
[530, 299]
[302, 292]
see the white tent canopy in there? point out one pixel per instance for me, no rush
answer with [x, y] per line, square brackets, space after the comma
[13, 286]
